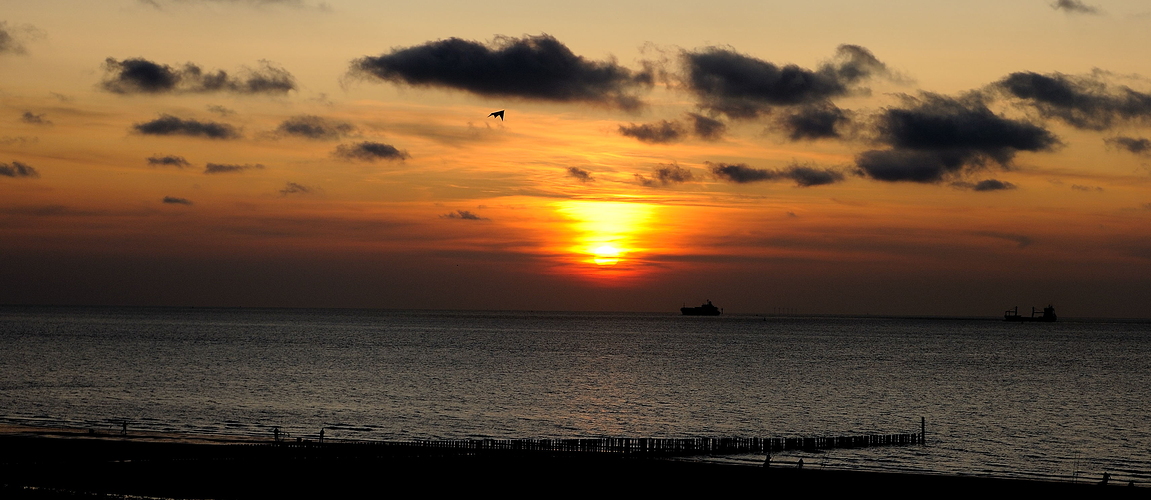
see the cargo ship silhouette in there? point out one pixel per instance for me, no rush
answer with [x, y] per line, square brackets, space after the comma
[1013, 314]
[704, 310]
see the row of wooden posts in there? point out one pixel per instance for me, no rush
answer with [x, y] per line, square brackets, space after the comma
[650, 446]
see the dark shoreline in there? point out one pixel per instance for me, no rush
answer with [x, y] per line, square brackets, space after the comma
[73, 465]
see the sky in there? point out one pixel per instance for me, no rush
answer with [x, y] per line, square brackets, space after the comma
[826, 157]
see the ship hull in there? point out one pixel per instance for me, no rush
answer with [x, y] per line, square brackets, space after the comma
[1025, 319]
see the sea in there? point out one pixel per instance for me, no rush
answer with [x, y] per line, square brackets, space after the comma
[1066, 401]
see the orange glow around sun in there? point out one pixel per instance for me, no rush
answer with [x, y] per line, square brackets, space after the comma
[605, 234]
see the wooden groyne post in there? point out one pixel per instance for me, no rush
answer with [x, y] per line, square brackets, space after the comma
[627, 446]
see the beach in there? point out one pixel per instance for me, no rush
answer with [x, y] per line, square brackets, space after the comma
[48, 463]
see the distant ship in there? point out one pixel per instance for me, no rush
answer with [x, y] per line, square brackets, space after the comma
[704, 310]
[1013, 314]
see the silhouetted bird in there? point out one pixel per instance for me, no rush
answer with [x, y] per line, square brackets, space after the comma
[499, 113]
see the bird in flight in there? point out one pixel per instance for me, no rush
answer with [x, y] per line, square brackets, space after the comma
[499, 113]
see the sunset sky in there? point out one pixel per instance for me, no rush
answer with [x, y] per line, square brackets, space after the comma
[835, 157]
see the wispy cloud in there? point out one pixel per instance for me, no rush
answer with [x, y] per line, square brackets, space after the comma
[1087, 189]
[985, 185]
[13, 37]
[370, 151]
[34, 119]
[580, 174]
[293, 188]
[171, 125]
[168, 161]
[1019, 239]
[18, 140]
[1136, 145]
[463, 215]
[315, 127]
[661, 132]
[141, 76]
[1074, 7]
[803, 175]
[18, 169]
[223, 168]
[666, 174]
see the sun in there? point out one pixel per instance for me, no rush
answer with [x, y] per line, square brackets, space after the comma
[605, 233]
[606, 255]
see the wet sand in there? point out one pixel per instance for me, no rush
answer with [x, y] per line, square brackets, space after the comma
[38, 463]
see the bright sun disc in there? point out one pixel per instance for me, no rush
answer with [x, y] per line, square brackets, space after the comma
[605, 233]
[606, 255]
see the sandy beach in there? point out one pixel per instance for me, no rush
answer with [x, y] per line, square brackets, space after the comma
[47, 463]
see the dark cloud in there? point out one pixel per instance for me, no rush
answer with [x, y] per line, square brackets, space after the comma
[816, 121]
[1085, 102]
[293, 188]
[315, 127]
[668, 131]
[532, 67]
[741, 86]
[463, 215]
[661, 132]
[1074, 7]
[171, 125]
[706, 128]
[168, 161]
[1136, 145]
[370, 151]
[220, 168]
[141, 76]
[17, 169]
[936, 137]
[803, 175]
[177, 201]
[34, 119]
[985, 185]
[992, 185]
[741, 173]
[580, 174]
[666, 174]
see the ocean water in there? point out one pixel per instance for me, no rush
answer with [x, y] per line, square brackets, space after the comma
[1063, 400]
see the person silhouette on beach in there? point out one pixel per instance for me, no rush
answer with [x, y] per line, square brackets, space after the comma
[767, 461]
[1106, 479]
[276, 434]
[124, 428]
[321, 435]
[799, 465]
